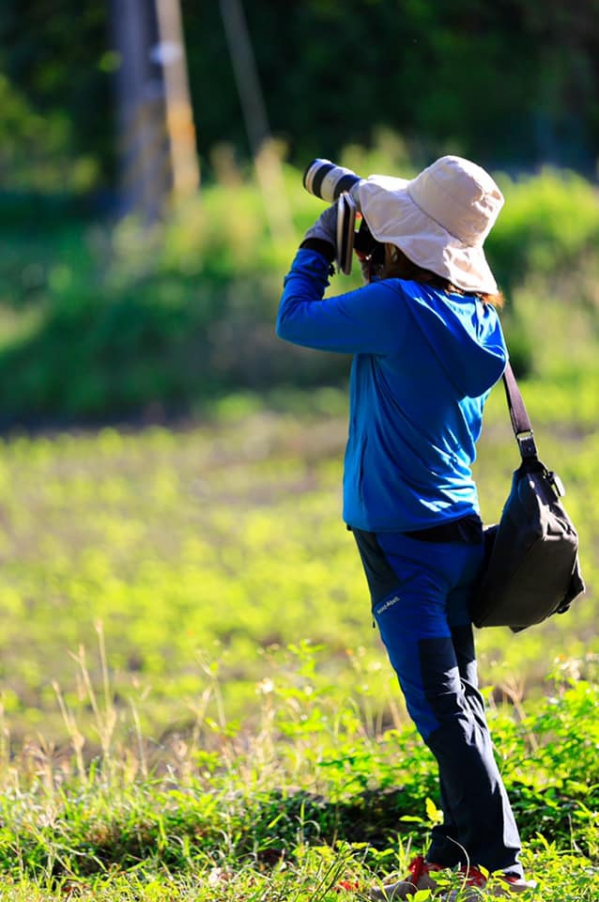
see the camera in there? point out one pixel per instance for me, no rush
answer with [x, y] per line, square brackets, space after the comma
[333, 183]
[327, 180]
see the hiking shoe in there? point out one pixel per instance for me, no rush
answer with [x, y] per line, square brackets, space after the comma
[418, 877]
[506, 885]
[475, 883]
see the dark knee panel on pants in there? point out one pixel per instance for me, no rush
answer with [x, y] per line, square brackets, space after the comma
[440, 677]
[428, 675]
[463, 643]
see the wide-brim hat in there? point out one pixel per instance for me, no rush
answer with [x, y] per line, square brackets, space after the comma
[439, 219]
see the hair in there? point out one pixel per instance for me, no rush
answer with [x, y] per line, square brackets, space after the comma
[398, 266]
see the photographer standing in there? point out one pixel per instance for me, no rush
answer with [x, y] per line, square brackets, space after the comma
[427, 348]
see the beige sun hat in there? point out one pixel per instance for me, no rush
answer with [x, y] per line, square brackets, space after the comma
[439, 219]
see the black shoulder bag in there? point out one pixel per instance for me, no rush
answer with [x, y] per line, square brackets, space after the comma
[532, 568]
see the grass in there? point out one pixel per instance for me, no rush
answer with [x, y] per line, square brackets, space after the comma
[195, 705]
[308, 806]
[209, 550]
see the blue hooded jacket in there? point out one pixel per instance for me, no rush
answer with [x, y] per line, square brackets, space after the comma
[424, 363]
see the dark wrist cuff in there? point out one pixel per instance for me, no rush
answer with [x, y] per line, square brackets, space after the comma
[322, 247]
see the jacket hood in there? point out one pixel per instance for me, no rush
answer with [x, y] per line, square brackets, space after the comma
[465, 336]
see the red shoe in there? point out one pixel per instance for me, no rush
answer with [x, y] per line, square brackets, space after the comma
[474, 881]
[418, 877]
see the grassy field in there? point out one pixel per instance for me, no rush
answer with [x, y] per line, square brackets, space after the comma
[204, 553]
[194, 702]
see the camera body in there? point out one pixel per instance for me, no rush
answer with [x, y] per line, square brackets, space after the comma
[334, 184]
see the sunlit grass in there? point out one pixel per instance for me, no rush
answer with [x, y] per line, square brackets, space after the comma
[223, 543]
[308, 803]
[194, 702]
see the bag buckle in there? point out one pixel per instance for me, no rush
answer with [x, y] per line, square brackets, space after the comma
[556, 484]
[526, 443]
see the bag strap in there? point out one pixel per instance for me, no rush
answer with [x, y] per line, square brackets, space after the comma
[518, 414]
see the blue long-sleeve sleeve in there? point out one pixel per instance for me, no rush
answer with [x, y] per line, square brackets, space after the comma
[367, 320]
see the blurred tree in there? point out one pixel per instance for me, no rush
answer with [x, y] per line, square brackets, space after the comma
[179, 115]
[566, 115]
[140, 102]
[157, 146]
[57, 57]
[511, 83]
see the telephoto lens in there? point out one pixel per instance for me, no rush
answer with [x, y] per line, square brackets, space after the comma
[327, 181]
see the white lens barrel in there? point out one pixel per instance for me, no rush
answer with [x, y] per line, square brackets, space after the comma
[327, 180]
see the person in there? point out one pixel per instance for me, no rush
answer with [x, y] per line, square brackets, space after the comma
[427, 348]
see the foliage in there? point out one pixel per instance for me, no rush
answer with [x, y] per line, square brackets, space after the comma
[34, 149]
[497, 82]
[102, 323]
[59, 132]
[265, 813]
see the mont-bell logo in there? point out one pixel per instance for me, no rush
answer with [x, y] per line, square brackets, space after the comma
[388, 604]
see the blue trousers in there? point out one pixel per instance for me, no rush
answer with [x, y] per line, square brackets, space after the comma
[420, 592]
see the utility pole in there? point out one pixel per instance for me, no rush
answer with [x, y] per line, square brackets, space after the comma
[179, 115]
[157, 152]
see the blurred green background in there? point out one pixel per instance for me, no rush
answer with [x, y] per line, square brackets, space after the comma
[151, 159]
[122, 298]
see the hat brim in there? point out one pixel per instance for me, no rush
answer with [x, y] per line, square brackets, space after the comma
[394, 218]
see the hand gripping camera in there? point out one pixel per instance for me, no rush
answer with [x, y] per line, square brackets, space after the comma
[333, 183]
